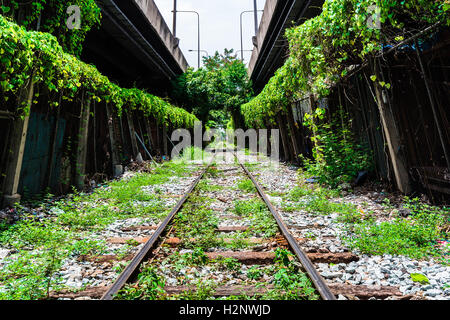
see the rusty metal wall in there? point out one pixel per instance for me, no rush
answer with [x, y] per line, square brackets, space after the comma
[37, 155]
[411, 103]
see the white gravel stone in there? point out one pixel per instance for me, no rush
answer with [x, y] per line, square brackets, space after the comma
[4, 253]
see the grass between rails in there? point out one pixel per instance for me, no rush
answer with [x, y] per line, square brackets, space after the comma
[198, 221]
[262, 222]
[40, 245]
[288, 281]
[247, 186]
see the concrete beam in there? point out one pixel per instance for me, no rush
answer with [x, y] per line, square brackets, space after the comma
[270, 52]
[151, 11]
[134, 45]
[268, 14]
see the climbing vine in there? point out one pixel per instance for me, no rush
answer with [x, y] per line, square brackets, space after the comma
[51, 16]
[337, 156]
[29, 56]
[323, 48]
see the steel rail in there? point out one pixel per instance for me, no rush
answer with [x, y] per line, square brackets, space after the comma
[316, 278]
[132, 269]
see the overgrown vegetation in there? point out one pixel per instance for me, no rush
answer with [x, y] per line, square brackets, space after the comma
[290, 282]
[415, 236]
[151, 286]
[51, 16]
[324, 47]
[41, 245]
[200, 226]
[337, 156]
[262, 222]
[35, 57]
[216, 90]
[246, 185]
[322, 51]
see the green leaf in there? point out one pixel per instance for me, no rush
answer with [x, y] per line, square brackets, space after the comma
[5, 9]
[417, 277]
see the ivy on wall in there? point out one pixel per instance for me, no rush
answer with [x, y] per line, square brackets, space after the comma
[51, 16]
[323, 48]
[37, 56]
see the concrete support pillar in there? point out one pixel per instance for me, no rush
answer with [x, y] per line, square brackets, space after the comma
[16, 151]
[83, 133]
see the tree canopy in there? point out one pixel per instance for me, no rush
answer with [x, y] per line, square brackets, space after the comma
[215, 91]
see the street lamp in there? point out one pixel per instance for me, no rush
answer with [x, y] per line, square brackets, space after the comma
[255, 10]
[207, 54]
[256, 28]
[191, 50]
[198, 19]
[174, 29]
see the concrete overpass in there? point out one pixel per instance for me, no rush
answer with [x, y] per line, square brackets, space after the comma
[134, 46]
[271, 48]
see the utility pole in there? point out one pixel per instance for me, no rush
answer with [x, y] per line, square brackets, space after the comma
[256, 17]
[240, 19]
[198, 22]
[174, 30]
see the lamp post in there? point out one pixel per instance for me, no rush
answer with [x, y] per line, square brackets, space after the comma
[256, 16]
[198, 19]
[207, 54]
[256, 29]
[174, 31]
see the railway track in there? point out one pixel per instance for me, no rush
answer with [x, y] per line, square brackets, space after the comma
[201, 232]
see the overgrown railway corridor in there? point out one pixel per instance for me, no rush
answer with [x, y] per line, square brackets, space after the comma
[120, 242]
[311, 164]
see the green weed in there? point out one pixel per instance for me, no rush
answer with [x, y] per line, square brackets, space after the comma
[414, 236]
[247, 186]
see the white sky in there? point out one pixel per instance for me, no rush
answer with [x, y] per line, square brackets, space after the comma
[219, 25]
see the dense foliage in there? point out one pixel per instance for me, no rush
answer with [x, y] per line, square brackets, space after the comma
[337, 156]
[35, 56]
[322, 48]
[217, 89]
[51, 16]
[68, 229]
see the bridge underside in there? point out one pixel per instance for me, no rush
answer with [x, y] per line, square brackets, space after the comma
[272, 49]
[134, 46]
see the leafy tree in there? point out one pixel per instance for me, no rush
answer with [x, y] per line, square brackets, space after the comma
[215, 91]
